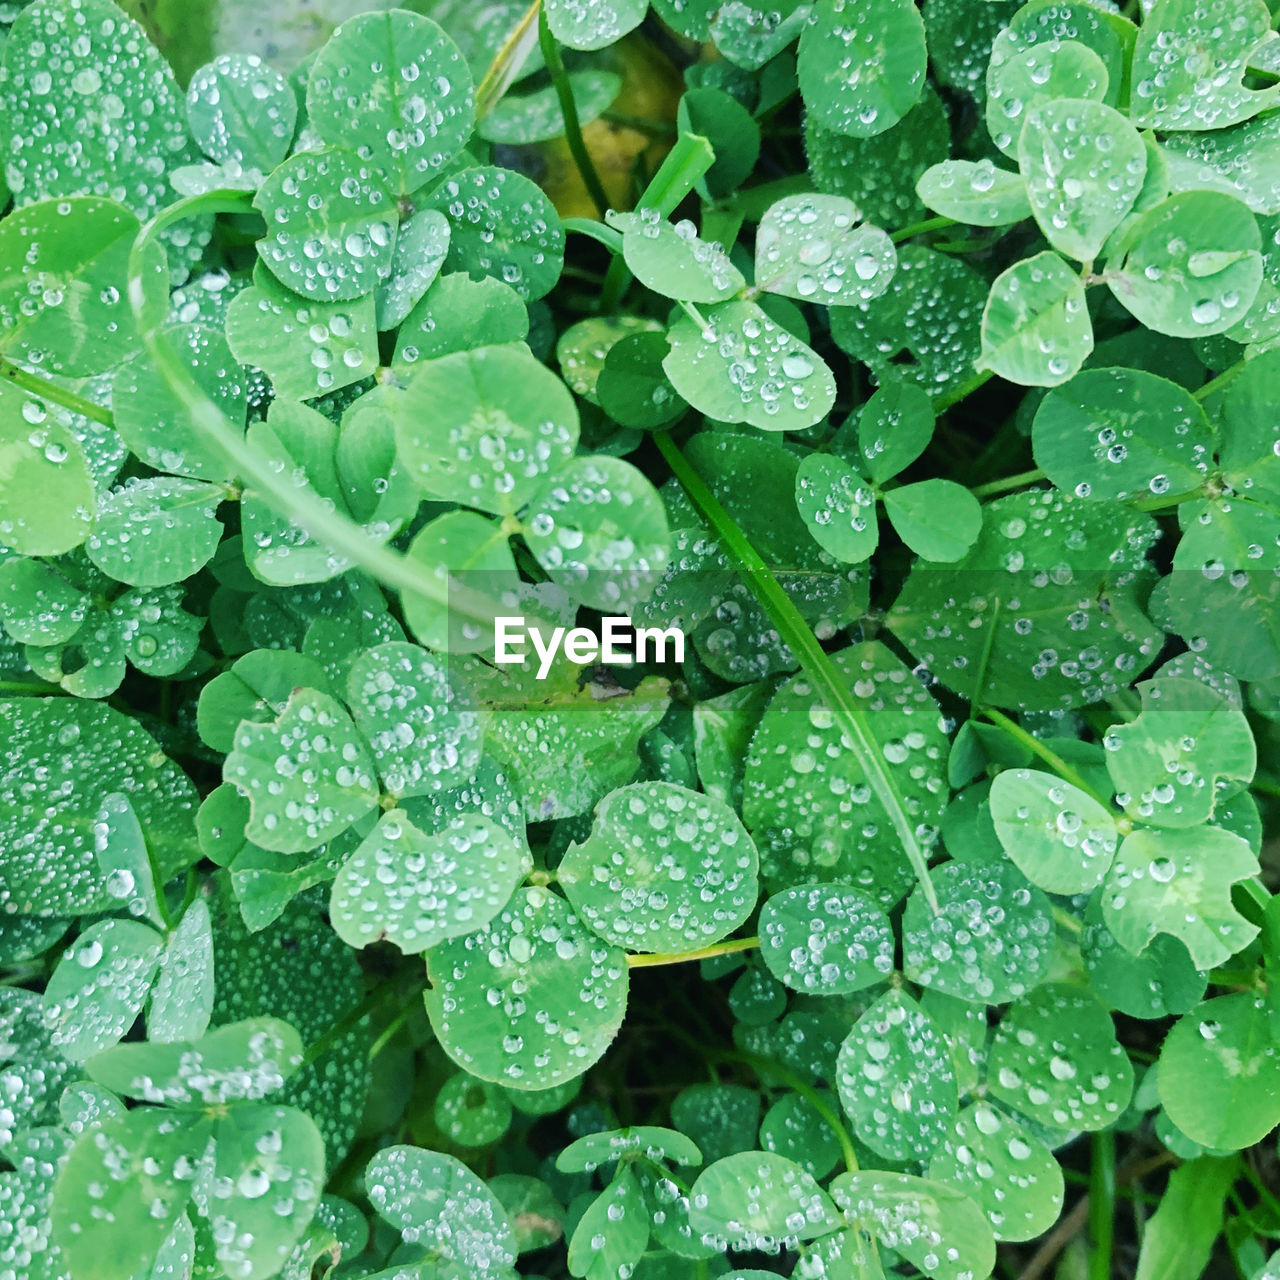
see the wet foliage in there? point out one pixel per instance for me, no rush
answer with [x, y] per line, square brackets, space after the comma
[906, 375]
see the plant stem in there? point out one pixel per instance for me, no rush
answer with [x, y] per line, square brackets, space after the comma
[1216, 384]
[28, 689]
[388, 1032]
[704, 953]
[303, 506]
[55, 394]
[920, 228]
[761, 1065]
[569, 110]
[830, 685]
[1102, 1204]
[1037, 748]
[993, 487]
[507, 61]
[944, 402]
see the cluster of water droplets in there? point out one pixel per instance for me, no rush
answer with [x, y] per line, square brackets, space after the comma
[896, 1080]
[825, 939]
[665, 869]
[530, 1000]
[815, 248]
[991, 939]
[307, 775]
[418, 889]
[331, 225]
[1190, 77]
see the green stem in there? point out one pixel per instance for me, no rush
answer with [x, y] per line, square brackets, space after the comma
[830, 685]
[761, 1065]
[55, 394]
[683, 957]
[598, 231]
[993, 487]
[162, 903]
[351, 1019]
[389, 1031]
[303, 506]
[1037, 748]
[28, 689]
[944, 402]
[1165, 503]
[569, 110]
[920, 228]
[1216, 384]
[1102, 1205]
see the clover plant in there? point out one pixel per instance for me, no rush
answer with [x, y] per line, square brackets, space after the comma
[907, 373]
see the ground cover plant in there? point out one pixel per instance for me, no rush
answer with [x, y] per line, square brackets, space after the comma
[918, 364]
